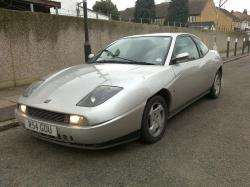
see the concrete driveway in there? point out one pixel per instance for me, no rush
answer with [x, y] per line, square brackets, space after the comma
[208, 144]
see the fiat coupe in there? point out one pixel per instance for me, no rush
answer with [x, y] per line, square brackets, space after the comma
[127, 91]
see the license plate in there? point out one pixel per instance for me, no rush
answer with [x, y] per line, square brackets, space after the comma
[41, 127]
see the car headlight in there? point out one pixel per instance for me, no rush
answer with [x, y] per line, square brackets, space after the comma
[31, 88]
[22, 108]
[99, 95]
[76, 120]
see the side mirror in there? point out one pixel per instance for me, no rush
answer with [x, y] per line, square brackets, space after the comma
[91, 56]
[180, 58]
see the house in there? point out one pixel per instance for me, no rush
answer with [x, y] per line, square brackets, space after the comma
[206, 11]
[30, 5]
[200, 11]
[74, 8]
[91, 14]
[244, 19]
[96, 15]
[236, 22]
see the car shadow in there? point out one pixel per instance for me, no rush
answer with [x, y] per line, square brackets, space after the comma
[186, 110]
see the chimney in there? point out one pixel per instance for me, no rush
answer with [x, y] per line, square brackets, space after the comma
[245, 11]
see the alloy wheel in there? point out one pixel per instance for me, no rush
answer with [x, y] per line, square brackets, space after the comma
[156, 119]
[217, 84]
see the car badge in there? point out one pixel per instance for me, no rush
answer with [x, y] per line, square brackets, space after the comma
[47, 101]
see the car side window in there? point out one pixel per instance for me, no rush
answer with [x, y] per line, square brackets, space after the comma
[184, 44]
[203, 48]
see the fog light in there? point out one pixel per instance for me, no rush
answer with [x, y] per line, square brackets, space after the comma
[23, 108]
[77, 120]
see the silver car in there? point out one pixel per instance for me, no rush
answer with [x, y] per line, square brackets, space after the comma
[128, 91]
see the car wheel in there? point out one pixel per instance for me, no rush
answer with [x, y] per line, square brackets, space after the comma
[216, 88]
[154, 120]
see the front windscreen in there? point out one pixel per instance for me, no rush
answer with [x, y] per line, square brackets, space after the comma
[136, 50]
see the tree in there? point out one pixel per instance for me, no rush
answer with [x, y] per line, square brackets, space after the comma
[178, 12]
[144, 10]
[106, 7]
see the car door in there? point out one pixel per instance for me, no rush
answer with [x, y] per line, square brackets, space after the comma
[189, 82]
[207, 66]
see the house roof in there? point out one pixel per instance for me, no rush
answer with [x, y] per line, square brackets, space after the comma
[127, 13]
[242, 16]
[195, 8]
[161, 10]
[229, 14]
[45, 3]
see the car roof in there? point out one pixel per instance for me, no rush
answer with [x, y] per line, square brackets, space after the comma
[158, 35]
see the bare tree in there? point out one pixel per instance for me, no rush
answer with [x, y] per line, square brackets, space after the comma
[222, 2]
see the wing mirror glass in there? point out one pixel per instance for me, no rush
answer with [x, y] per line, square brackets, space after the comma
[180, 58]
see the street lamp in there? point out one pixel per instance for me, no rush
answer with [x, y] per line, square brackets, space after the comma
[87, 46]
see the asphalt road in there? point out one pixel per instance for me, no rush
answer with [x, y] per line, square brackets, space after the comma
[208, 144]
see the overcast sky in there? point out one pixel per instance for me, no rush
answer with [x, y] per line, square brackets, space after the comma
[238, 5]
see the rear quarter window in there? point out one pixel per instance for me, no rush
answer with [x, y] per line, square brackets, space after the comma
[202, 47]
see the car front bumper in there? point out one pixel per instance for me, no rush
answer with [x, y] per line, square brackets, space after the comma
[113, 132]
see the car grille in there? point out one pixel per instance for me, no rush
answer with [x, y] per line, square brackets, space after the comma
[48, 115]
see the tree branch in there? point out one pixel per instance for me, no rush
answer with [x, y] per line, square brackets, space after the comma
[222, 2]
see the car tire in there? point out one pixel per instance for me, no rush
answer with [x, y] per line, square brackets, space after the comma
[216, 88]
[154, 120]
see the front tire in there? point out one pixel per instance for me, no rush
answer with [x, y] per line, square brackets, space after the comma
[216, 88]
[154, 120]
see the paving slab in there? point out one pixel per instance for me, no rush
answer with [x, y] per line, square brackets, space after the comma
[7, 113]
[8, 124]
[12, 99]
[8, 99]
[5, 103]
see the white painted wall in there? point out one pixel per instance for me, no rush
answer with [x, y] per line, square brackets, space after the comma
[245, 25]
[95, 15]
[68, 8]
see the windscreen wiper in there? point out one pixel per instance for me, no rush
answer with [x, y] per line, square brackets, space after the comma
[109, 61]
[123, 62]
[129, 60]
